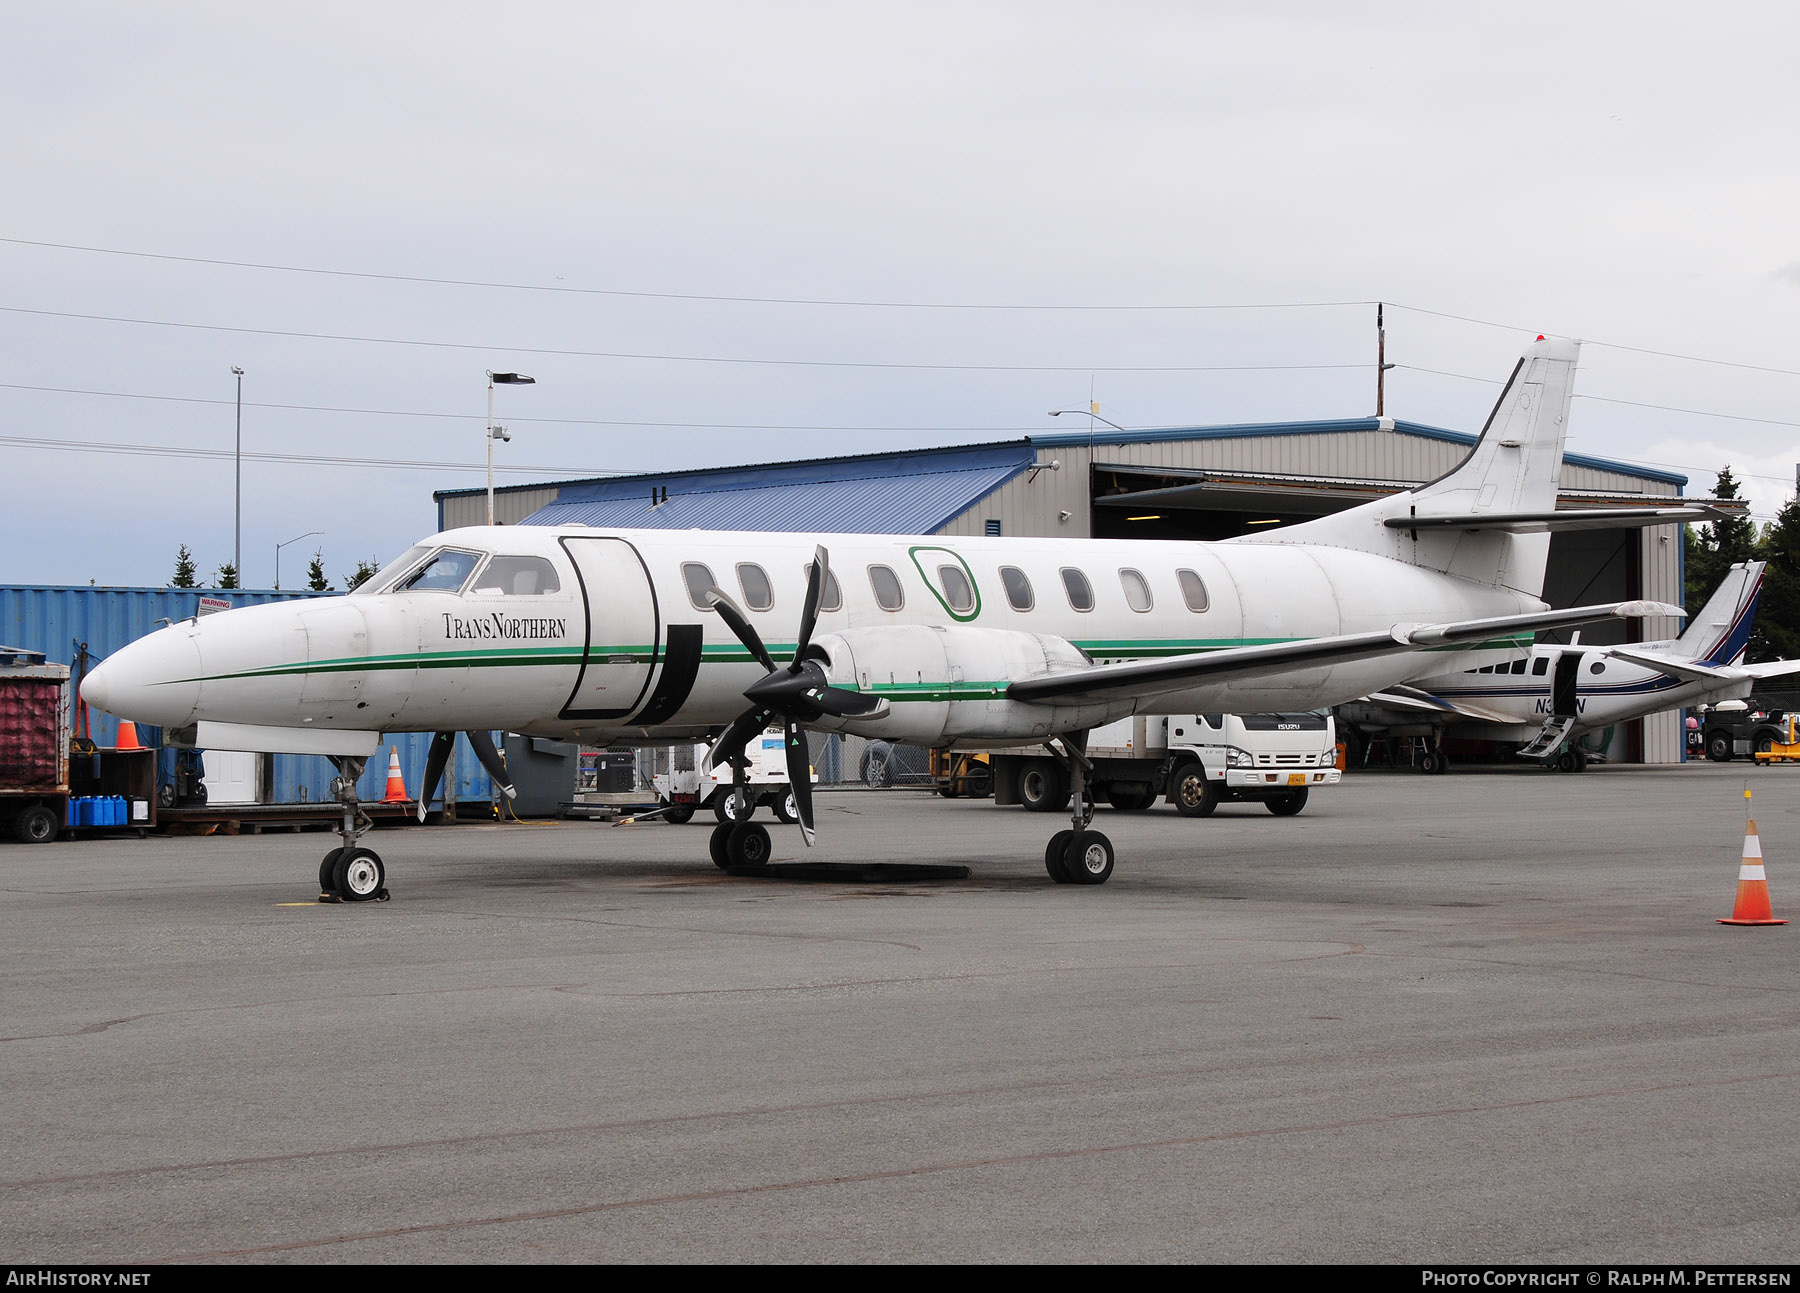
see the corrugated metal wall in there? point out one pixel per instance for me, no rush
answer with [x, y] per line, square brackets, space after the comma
[53, 619]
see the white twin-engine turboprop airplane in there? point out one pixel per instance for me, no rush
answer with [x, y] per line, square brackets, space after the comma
[628, 636]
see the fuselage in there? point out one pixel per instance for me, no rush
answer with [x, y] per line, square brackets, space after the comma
[605, 635]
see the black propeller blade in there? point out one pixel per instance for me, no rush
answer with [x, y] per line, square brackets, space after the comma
[796, 692]
[439, 755]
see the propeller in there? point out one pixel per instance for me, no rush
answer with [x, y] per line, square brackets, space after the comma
[439, 755]
[796, 693]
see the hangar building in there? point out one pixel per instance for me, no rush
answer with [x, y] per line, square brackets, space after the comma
[1170, 483]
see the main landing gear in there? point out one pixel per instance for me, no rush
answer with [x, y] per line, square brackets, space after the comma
[737, 841]
[1080, 855]
[350, 873]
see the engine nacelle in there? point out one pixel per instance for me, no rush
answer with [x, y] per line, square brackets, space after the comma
[945, 685]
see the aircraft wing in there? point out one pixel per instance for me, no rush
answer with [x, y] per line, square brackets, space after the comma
[1419, 701]
[1174, 673]
[1585, 518]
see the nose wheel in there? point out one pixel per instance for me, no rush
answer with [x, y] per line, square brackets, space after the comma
[351, 873]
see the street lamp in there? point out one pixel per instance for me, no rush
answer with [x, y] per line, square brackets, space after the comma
[499, 433]
[237, 518]
[1093, 412]
[279, 546]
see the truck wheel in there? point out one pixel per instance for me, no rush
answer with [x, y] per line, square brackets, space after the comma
[679, 814]
[785, 807]
[1130, 796]
[726, 810]
[1288, 805]
[1763, 741]
[1718, 747]
[1042, 787]
[36, 825]
[1192, 794]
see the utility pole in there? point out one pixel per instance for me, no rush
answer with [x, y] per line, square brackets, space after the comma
[1381, 363]
[237, 520]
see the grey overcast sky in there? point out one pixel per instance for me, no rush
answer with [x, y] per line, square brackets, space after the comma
[1625, 173]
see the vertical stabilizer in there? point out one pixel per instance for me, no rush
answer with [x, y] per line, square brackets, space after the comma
[1718, 633]
[1515, 467]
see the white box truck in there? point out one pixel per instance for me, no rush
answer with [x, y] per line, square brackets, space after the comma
[1196, 761]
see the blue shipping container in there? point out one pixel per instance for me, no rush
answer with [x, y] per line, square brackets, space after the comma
[55, 620]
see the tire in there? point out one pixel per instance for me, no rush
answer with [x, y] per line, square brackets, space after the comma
[725, 808]
[1054, 853]
[1719, 747]
[1130, 797]
[877, 774]
[328, 870]
[786, 809]
[679, 814]
[1089, 859]
[1763, 741]
[716, 845]
[1042, 787]
[359, 875]
[748, 845]
[36, 825]
[1288, 805]
[1431, 762]
[1565, 762]
[1190, 791]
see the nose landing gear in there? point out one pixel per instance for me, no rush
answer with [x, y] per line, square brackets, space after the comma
[350, 873]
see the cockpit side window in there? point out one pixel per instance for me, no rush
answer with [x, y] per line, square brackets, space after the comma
[517, 577]
[400, 565]
[444, 573]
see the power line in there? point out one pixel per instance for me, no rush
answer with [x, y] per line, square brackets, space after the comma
[1608, 399]
[686, 359]
[666, 296]
[311, 460]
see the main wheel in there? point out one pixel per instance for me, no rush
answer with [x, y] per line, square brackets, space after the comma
[678, 814]
[1193, 794]
[786, 809]
[721, 835]
[1719, 747]
[725, 807]
[1289, 804]
[1565, 762]
[1042, 787]
[358, 875]
[1089, 859]
[328, 870]
[748, 845]
[36, 825]
[1054, 853]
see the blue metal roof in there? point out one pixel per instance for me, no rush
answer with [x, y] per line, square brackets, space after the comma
[909, 492]
[1246, 430]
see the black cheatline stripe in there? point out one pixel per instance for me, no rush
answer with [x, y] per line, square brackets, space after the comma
[681, 666]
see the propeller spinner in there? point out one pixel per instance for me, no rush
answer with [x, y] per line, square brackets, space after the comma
[796, 693]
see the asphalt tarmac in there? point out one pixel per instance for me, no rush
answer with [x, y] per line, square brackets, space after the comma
[1485, 1017]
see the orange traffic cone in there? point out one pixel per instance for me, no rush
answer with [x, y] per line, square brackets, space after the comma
[1753, 886]
[396, 787]
[127, 739]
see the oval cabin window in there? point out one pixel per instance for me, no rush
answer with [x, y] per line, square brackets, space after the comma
[886, 585]
[958, 591]
[754, 580]
[1193, 591]
[1018, 588]
[1137, 589]
[832, 598]
[698, 579]
[1081, 593]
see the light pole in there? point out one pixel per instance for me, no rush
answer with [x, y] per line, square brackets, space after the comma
[279, 546]
[1093, 413]
[499, 433]
[237, 516]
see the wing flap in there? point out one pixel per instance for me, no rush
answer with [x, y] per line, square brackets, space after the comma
[1139, 678]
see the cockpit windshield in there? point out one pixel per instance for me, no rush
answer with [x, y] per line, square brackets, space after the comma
[448, 571]
[400, 565]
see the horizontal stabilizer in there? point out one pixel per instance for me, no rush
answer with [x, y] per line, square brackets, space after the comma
[1687, 670]
[1140, 678]
[1587, 518]
[1771, 668]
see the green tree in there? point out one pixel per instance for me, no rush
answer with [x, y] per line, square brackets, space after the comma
[227, 576]
[1776, 635]
[315, 573]
[184, 569]
[364, 571]
[1712, 549]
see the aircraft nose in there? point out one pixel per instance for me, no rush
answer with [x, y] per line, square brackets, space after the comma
[154, 680]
